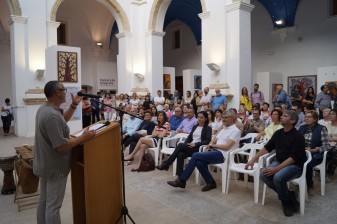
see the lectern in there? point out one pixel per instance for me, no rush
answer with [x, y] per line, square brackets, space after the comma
[96, 178]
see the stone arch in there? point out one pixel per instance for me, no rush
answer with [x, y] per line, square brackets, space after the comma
[158, 10]
[115, 8]
[15, 8]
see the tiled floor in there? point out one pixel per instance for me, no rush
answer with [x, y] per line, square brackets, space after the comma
[150, 200]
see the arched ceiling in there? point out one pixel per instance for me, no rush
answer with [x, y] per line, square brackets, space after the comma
[281, 10]
[186, 11]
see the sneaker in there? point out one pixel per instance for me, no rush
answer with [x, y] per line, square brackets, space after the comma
[287, 208]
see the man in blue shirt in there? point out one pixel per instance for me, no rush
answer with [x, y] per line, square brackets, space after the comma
[281, 96]
[219, 99]
[131, 125]
[176, 119]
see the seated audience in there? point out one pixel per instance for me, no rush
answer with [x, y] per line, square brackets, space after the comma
[290, 157]
[201, 134]
[187, 124]
[326, 117]
[298, 109]
[227, 139]
[316, 141]
[176, 119]
[273, 127]
[145, 128]
[255, 125]
[131, 125]
[150, 141]
[217, 121]
[237, 120]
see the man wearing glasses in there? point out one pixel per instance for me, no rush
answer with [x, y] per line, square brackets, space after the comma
[227, 139]
[176, 119]
[52, 150]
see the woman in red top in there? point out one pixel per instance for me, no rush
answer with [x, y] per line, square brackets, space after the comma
[150, 140]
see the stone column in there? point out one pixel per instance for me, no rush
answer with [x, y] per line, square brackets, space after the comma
[154, 75]
[19, 64]
[238, 42]
[125, 76]
[52, 33]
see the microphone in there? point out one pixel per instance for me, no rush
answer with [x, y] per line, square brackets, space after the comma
[87, 95]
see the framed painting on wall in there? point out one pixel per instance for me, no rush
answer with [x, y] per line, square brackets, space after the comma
[167, 81]
[197, 82]
[67, 66]
[304, 82]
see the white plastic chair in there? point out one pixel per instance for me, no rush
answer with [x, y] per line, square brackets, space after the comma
[322, 169]
[251, 136]
[156, 150]
[166, 149]
[240, 167]
[223, 166]
[301, 182]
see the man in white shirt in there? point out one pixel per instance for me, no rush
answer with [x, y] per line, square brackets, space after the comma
[159, 101]
[206, 99]
[227, 139]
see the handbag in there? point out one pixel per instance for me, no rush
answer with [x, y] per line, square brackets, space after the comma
[147, 163]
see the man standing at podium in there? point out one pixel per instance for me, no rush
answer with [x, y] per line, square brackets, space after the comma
[52, 152]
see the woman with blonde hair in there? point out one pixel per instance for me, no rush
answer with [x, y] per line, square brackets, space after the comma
[245, 99]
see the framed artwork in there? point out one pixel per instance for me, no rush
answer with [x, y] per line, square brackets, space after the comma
[67, 66]
[167, 81]
[197, 82]
[304, 82]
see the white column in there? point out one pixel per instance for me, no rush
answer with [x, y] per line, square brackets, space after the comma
[154, 74]
[238, 43]
[125, 75]
[19, 64]
[52, 33]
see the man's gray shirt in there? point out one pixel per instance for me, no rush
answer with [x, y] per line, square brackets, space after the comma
[51, 131]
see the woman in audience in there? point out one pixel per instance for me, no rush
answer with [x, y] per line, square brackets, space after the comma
[316, 141]
[332, 154]
[167, 111]
[6, 116]
[265, 114]
[201, 134]
[274, 126]
[217, 126]
[150, 141]
[309, 99]
[210, 115]
[188, 98]
[155, 114]
[194, 103]
[108, 110]
[147, 102]
[245, 99]
[134, 101]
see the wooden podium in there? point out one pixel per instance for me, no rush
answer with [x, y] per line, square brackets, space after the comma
[96, 178]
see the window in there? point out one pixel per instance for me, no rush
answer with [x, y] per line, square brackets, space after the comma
[62, 34]
[332, 7]
[176, 39]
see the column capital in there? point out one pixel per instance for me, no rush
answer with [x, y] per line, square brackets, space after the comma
[139, 2]
[156, 33]
[239, 5]
[204, 15]
[17, 19]
[123, 34]
[53, 24]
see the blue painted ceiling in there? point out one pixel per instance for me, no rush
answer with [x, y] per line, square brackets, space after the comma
[281, 9]
[187, 12]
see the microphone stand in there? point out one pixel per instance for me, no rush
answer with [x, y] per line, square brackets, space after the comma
[124, 210]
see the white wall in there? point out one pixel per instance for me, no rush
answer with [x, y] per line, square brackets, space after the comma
[326, 74]
[106, 70]
[188, 56]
